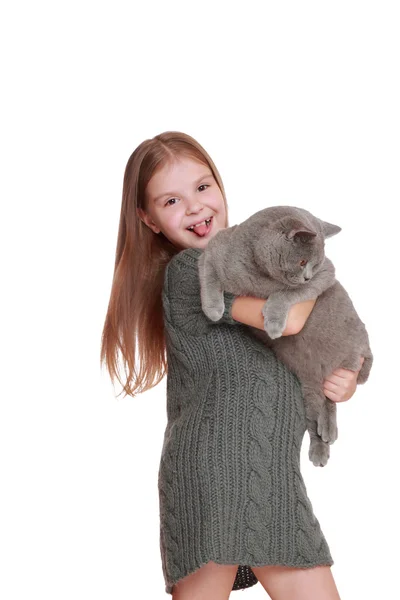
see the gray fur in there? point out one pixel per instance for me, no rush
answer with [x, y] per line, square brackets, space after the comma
[261, 257]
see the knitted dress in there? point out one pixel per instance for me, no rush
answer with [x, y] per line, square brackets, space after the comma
[229, 481]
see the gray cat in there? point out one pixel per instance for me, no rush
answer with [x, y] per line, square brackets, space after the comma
[278, 253]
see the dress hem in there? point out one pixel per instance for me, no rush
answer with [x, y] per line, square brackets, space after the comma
[328, 562]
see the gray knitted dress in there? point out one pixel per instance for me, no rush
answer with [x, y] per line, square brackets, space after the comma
[229, 480]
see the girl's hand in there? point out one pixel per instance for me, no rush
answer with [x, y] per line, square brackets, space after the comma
[341, 384]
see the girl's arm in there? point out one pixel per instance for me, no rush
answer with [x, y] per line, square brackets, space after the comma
[247, 310]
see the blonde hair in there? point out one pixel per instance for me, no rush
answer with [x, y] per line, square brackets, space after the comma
[134, 324]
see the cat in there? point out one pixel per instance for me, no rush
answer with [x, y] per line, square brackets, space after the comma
[278, 254]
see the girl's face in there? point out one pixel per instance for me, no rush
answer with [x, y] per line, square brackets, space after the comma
[182, 195]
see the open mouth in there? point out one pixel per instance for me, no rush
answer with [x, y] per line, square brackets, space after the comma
[201, 229]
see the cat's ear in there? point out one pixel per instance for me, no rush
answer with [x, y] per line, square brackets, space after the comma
[295, 229]
[301, 234]
[329, 230]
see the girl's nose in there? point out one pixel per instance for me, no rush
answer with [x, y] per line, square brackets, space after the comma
[193, 205]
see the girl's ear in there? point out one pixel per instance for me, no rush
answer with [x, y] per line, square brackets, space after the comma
[143, 216]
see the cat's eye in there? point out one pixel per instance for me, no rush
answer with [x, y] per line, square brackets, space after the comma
[303, 263]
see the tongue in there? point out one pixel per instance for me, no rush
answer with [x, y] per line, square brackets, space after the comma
[201, 229]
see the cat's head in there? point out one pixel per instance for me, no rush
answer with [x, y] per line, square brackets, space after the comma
[291, 249]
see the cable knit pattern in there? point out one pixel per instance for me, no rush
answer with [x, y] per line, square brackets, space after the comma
[230, 485]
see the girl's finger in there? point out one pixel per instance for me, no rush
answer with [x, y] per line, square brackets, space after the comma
[346, 373]
[332, 396]
[336, 379]
[343, 373]
[328, 385]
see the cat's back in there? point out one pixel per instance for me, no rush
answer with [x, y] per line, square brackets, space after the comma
[336, 307]
[266, 217]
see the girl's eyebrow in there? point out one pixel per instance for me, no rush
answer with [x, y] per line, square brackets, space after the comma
[204, 176]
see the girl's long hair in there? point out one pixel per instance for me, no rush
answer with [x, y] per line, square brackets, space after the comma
[134, 325]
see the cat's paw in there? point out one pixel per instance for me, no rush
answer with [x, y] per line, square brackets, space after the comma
[327, 427]
[319, 453]
[213, 312]
[275, 317]
[274, 328]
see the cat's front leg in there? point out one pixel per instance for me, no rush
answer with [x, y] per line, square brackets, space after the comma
[276, 308]
[212, 304]
[212, 296]
[275, 312]
[321, 281]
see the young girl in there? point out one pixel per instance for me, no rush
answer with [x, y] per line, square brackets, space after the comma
[233, 505]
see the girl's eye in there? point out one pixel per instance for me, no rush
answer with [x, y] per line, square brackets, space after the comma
[205, 185]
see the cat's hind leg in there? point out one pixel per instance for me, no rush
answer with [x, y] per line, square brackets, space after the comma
[327, 422]
[316, 414]
[319, 450]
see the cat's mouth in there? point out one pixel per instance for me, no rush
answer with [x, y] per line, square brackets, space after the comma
[293, 279]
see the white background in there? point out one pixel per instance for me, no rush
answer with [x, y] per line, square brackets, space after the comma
[297, 103]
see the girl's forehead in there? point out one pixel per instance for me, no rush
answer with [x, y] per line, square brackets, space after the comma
[181, 165]
[181, 171]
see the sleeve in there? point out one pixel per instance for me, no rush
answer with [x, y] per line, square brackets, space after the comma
[182, 300]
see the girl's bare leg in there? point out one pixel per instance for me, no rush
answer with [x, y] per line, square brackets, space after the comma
[289, 583]
[210, 582]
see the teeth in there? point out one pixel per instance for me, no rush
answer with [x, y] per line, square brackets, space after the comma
[206, 221]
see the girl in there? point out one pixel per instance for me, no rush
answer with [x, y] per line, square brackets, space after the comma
[233, 505]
